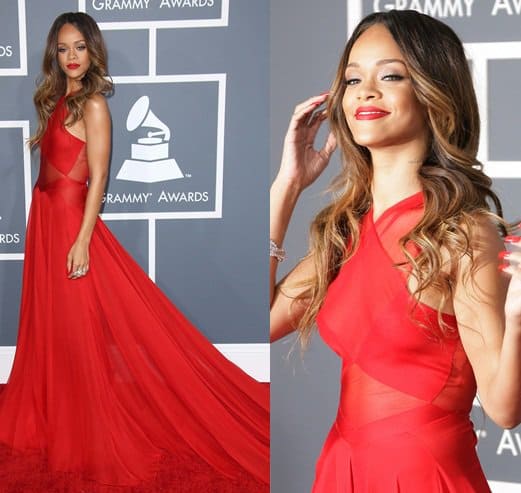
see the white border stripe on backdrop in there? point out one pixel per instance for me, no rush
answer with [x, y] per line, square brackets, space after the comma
[152, 51]
[252, 358]
[503, 487]
[152, 249]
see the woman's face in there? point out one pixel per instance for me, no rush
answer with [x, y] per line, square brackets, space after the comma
[379, 103]
[73, 56]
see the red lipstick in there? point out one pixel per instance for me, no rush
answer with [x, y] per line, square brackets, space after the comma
[370, 113]
[73, 66]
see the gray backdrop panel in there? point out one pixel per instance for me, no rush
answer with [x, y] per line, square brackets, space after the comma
[128, 52]
[12, 210]
[9, 40]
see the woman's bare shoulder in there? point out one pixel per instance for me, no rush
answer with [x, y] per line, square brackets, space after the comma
[96, 108]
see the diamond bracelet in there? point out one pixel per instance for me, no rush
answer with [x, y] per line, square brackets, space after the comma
[276, 251]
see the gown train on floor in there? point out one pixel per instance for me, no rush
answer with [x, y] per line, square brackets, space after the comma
[108, 374]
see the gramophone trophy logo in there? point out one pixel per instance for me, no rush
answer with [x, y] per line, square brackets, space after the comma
[150, 161]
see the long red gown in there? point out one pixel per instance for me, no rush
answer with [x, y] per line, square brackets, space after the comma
[403, 421]
[109, 377]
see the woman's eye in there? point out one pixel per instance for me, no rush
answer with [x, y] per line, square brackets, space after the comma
[352, 81]
[62, 50]
[81, 47]
[393, 77]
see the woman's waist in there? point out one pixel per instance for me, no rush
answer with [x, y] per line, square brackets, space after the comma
[45, 183]
[65, 191]
[424, 420]
[367, 399]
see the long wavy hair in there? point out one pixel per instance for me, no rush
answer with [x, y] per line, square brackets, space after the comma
[456, 190]
[53, 83]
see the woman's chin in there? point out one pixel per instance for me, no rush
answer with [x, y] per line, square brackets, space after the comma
[367, 141]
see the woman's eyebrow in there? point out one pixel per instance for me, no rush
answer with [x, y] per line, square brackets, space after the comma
[379, 62]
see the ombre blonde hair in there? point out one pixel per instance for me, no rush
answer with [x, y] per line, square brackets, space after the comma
[456, 190]
[53, 84]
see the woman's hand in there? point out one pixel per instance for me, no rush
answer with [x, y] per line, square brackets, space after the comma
[78, 259]
[512, 266]
[301, 164]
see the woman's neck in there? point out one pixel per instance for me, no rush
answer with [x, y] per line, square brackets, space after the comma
[72, 86]
[395, 176]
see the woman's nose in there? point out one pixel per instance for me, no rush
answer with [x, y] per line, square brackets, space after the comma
[367, 90]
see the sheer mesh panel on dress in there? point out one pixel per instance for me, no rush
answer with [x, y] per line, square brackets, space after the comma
[79, 170]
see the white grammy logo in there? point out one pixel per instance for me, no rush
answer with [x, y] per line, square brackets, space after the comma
[150, 162]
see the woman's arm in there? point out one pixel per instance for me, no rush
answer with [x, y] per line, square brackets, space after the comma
[300, 166]
[488, 310]
[97, 130]
[284, 314]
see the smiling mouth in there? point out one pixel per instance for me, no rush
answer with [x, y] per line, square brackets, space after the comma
[370, 114]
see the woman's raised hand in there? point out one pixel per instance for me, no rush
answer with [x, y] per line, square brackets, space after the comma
[301, 163]
[300, 166]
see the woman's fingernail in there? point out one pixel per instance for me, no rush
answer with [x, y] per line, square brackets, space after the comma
[503, 267]
[324, 93]
[512, 239]
[504, 255]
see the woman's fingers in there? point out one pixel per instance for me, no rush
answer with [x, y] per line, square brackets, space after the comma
[79, 269]
[316, 117]
[313, 101]
[79, 272]
[511, 259]
[304, 109]
[314, 126]
[74, 273]
[301, 162]
[328, 147]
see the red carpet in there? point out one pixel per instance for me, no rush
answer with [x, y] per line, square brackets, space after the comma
[186, 473]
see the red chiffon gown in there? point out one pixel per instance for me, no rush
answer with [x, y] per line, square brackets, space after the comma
[109, 378]
[403, 421]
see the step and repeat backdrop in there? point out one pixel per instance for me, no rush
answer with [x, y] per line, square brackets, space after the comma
[303, 63]
[187, 194]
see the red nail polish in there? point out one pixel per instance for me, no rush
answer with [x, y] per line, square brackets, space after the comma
[324, 93]
[503, 266]
[504, 255]
[512, 239]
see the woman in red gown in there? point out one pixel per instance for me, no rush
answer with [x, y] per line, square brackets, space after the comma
[110, 381]
[402, 276]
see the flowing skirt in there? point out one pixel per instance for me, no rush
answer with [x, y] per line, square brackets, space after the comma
[108, 375]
